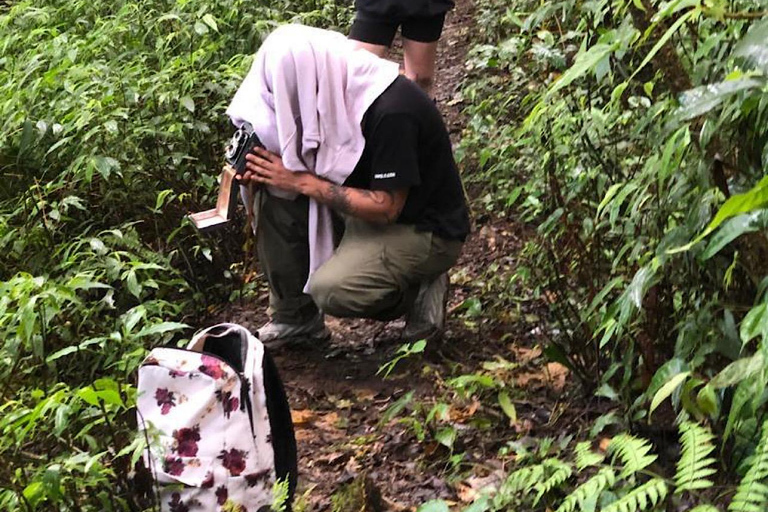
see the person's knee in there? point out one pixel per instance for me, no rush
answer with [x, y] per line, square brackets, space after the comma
[324, 289]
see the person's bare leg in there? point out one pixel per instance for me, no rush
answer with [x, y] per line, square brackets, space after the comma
[420, 62]
[377, 49]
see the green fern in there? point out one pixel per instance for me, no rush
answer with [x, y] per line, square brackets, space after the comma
[694, 465]
[560, 473]
[705, 508]
[633, 453]
[585, 457]
[645, 496]
[752, 493]
[517, 485]
[522, 480]
[585, 496]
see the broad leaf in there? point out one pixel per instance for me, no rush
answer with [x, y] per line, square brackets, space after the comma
[733, 228]
[434, 506]
[700, 100]
[755, 323]
[161, 328]
[738, 371]
[753, 47]
[507, 406]
[666, 390]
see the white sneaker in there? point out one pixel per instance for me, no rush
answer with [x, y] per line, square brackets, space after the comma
[274, 334]
[426, 319]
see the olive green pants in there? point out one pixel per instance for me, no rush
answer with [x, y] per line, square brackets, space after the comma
[375, 271]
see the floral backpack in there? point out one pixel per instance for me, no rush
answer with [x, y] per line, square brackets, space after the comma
[218, 423]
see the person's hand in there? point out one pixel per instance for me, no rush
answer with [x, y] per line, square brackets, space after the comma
[265, 167]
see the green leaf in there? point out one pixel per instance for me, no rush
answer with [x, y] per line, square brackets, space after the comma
[734, 228]
[738, 371]
[133, 283]
[666, 390]
[35, 492]
[434, 506]
[662, 41]
[754, 46]
[639, 285]
[507, 406]
[110, 397]
[584, 63]
[161, 328]
[418, 347]
[211, 22]
[88, 395]
[61, 353]
[610, 418]
[397, 407]
[700, 100]
[163, 194]
[472, 306]
[104, 165]
[465, 381]
[754, 199]
[28, 320]
[132, 317]
[755, 324]
[708, 402]
[201, 28]
[188, 103]
[665, 373]
[446, 436]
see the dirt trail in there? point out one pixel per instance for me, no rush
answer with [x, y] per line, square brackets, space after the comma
[339, 400]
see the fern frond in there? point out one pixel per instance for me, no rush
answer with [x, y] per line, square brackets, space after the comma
[633, 453]
[705, 508]
[752, 493]
[642, 498]
[694, 465]
[585, 457]
[561, 471]
[523, 480]
[589, 491]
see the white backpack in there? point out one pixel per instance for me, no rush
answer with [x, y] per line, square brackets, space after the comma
[218, 423]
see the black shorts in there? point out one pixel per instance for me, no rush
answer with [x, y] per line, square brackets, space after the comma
[374, 29]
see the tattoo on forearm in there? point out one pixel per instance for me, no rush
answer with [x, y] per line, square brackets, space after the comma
[342, 199]
[337, 199]
[377, 197]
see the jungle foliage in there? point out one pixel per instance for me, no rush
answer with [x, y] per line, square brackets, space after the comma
[111, 131]
[633, 137]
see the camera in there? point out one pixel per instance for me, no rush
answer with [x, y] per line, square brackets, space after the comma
[242, 142]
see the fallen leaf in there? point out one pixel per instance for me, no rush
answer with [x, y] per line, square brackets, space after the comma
[558, 375]
[463, 414]
[525, 355]
[302, 417]
[328, 421]
[365, 395]
[334, 459]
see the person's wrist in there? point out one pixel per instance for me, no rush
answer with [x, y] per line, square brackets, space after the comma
[304, 183]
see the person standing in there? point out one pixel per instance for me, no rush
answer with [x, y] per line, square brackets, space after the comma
[421, 24]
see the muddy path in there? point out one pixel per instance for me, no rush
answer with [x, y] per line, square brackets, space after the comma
[353, 453]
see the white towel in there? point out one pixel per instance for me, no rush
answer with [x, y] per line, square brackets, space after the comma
[305, 95]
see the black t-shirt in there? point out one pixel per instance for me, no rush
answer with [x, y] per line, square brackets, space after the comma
[407, 146]
[398, 9]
